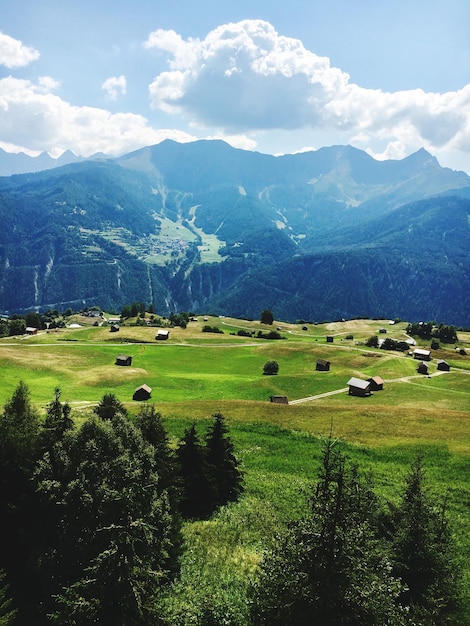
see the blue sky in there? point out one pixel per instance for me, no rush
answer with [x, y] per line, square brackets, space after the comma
[275, 76]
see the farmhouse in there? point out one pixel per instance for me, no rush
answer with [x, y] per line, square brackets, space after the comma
[31, 331]
[422, 368]
[162, 334]
[376, 383]
[424, 355]
[279, 399]
[142, 393]
[123, 359]
[443, 366]
[323, 366]
[358, 387]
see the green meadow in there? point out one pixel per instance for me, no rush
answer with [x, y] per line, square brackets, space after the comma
[194, 374]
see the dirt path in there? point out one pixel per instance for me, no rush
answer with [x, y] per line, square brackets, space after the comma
[403, 379]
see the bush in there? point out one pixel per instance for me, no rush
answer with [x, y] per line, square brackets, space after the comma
[271, 368]
[273, 334]
[212, 329]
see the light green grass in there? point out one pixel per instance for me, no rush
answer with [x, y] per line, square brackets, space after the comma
[193, 375]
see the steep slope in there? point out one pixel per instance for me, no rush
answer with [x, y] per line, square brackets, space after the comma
[192, 226]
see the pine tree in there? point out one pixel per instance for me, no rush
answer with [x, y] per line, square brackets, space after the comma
[227, 477]
[19, 449]
[7, 612]
[329, 568]
[424, 553]
[198, 496]
[57, 421]
[109, 407]
[113, 549]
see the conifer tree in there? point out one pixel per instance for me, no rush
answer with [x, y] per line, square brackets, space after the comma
[329, 568]
[424, 553]
[113, 548]
[109, 407]
[7, 612]
[198, 497]
[19, 449]
[57, 421]
[227, 477]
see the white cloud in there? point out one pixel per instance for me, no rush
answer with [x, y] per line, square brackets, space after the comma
[114, 86]
[14, 54]
[33, 118]
[245, 77]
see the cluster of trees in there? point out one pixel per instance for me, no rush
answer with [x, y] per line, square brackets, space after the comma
[92, 516]
[349, 562]
[17, 324]
[431, 330]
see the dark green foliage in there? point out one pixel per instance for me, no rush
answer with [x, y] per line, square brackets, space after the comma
[17, 327]
[272, 334]
[224, 467]
[424, 554]
[330, 568]
[113, 549]
[267, 316]
[392, 344]
[7, 612]
[271, 368]
[373, 342]
[198, 491]
[19, 430]
[110, 407]
[212, 329]
[57, 422]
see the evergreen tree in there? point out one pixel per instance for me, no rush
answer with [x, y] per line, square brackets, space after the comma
[112, 549]
[57, 421]
[266, 317]
[109, 407]
[198, 496]
[149, 422]
[227, 477]
[424, 553]
[329, 568]
[7, 612]
[19, 430]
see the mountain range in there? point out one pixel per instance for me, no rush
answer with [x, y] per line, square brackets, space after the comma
[205, 227]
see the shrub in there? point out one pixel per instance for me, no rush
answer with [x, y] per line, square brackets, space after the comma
[212, 329]
[271, 368]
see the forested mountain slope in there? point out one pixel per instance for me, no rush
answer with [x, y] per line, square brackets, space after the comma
[203, 226]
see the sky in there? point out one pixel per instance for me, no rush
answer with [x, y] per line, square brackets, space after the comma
[276, 76]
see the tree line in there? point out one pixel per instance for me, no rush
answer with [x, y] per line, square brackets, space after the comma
[92, 516]
[93, 519]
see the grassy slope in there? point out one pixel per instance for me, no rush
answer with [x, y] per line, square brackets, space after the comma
[194, 374]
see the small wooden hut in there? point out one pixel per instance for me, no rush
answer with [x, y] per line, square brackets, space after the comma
[143, 392]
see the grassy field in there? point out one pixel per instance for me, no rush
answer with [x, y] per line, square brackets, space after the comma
[194, 374]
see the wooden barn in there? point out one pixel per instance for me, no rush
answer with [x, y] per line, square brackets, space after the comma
[30, 330]
[162, 334]
[376, 383]
[330, 338]
[443, 366]
[123, 359]
[279, 399]
[323, 365]
[143, 392]
[423, 355]
[359, 387]
[114, 328]
[422, 368]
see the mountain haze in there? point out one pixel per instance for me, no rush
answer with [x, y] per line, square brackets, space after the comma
[203, 226]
